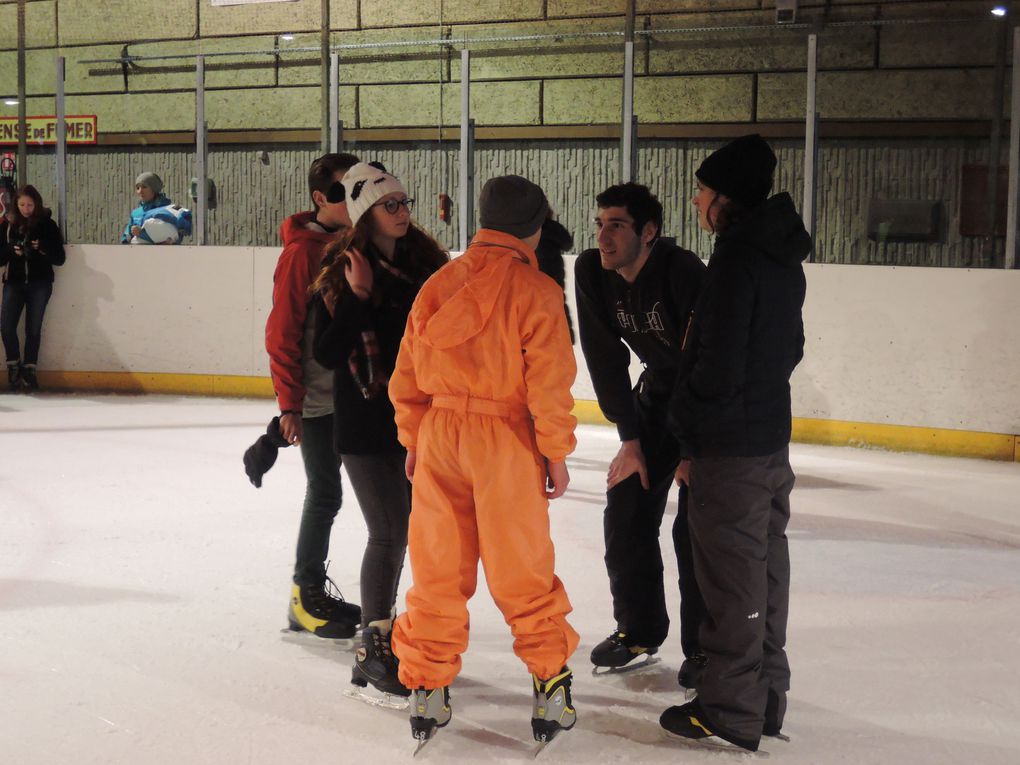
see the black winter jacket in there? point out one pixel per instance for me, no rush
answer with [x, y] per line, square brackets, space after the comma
[649, 316]
[746, 336]
[35, 264]
[360, 425]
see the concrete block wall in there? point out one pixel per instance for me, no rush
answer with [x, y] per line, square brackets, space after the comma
[256, 191]
[902, 71]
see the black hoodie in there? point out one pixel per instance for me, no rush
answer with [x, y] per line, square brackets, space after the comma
[648, 317]
[746, 336]
[35, 264]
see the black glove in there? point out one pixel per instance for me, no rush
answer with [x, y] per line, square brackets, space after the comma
[261, 455]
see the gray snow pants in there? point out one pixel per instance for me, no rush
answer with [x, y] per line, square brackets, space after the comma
[739, 509]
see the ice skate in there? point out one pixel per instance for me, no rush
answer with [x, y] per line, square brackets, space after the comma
[687, 723]
[29, 382]
[691, 670]
[375, 665]
[14, 376]
[775, 710]
[617, 653]
[430, 711]
[314, 609]
[553, 709]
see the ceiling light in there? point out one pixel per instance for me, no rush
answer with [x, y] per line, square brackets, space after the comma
[998, 11]
[287, 37]
[11, 102]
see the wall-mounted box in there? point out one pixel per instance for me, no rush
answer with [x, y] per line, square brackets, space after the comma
[905, 220]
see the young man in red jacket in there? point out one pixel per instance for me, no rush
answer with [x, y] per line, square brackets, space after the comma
[304, 391]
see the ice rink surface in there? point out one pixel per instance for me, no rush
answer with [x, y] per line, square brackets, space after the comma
[144, 585]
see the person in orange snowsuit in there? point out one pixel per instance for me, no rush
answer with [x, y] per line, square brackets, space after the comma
[482, 397]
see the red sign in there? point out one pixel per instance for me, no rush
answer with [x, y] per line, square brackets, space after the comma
[81, 128]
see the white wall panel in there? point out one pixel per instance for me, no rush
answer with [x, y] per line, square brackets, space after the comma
[929, 347]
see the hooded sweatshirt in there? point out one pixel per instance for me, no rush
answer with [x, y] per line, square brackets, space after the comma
[301, 384]
[746, 336]
[490, 326]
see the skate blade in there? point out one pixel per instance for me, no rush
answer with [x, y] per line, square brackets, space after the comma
[545, 744]
[779, 737]
[306, 638]
[422, 743]
[385, 700]
[634, 666]
[714, 744]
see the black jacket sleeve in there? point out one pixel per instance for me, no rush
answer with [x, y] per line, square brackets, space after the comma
[336, 336]
[51, 243]
[605, 353]
[5, 246]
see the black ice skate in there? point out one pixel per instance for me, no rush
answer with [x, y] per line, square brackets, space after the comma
[29, 382]
[618, 651]
[691, 671]
[314, 609]
[430, 711]
[375, 664]
[553, 709]
[14, 376]
[688, 722]
[775, 710]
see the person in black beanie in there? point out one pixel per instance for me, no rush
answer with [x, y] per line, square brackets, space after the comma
[731, 413]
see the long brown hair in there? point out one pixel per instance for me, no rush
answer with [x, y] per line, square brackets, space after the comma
[425, 254]
[19, 221]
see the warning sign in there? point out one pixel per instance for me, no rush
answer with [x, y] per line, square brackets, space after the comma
[81, 128]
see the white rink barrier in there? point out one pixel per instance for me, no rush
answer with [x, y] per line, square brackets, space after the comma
[930, 348]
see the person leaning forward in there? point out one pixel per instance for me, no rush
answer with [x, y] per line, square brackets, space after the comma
[635, 293]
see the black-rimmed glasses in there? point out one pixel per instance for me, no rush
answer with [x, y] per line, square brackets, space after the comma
[392, 205]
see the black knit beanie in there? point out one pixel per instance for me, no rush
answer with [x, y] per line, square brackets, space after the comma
[741, 170]
[513, 205]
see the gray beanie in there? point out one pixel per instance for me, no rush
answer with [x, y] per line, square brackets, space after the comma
[151, 180]
[513, 205]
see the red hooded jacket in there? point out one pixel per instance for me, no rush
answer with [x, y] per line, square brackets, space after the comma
[296, 269]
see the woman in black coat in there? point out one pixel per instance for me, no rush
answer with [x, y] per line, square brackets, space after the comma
[731, 415]
[30, 246]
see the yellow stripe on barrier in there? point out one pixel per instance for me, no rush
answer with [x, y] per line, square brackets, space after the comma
[907, 438]
[233, 386]
[955, 443]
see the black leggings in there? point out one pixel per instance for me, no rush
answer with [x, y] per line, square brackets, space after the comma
[384, 496]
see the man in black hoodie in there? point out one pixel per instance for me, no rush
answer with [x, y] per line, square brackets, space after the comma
[635, 293]
[731, 414]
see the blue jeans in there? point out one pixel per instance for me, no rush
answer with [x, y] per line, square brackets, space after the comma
[33, 295]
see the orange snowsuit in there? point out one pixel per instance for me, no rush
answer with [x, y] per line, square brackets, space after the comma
[481, 391]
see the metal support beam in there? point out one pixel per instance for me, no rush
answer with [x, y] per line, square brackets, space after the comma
[334, 102]
[466, 213]
[627, 141]
[1014, 156]
[61, 168]
[22, 168]
[324, 78]
[987, 252]
[811, 140]
[201, 150]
